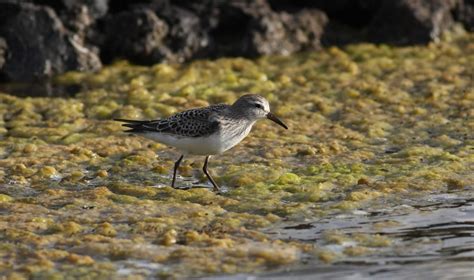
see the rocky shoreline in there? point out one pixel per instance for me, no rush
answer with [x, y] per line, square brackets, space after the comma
[43, 38]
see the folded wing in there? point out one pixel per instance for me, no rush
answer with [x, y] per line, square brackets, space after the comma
[191, 123]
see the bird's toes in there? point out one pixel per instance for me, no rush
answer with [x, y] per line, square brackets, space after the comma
[183, 188]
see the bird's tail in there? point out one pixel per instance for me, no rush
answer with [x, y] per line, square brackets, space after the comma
[135, 126]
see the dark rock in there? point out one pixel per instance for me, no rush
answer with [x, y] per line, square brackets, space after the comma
[187, 36]
[284, 33]
[96, 8]
[136, 35]
[251, 28]
[206, 10]
[347, 19]
[229, 30]
[391, 21]
[306, 27]
[81, 19]
[245, 27]
[38, 44]
[164, 31]
[354, 13]
[411, 21]
[465, 14]
[3, 52]
[127, 5]
[78, 16]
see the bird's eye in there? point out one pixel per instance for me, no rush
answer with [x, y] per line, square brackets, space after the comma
[257, 105]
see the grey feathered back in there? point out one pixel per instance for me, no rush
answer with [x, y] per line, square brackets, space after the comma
[191, 123]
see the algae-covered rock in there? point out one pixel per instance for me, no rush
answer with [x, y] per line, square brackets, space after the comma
[5, 198]
[288, 178]
[47, 171]
[106, 229]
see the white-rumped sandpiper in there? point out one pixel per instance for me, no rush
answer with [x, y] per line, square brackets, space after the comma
[206, 131]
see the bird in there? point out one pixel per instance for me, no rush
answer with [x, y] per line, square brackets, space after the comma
[205, 131]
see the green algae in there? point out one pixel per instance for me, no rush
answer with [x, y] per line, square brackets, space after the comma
[366, 122]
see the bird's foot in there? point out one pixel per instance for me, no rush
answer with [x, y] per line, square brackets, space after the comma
[181, 188]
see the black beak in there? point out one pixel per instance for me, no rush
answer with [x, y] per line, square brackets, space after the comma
[272, 117]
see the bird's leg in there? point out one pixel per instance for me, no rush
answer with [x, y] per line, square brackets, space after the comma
[176, 165]
[204, 168]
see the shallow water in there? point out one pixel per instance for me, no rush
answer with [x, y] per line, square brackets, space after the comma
[431, 239]
[374, 176]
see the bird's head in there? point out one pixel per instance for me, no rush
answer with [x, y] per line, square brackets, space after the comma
[256, 107]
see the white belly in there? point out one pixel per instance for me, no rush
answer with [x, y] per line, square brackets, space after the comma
[210, 145]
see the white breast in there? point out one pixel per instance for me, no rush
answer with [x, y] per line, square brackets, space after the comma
[213, 144]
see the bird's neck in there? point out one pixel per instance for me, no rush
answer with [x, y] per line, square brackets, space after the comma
[237, 113]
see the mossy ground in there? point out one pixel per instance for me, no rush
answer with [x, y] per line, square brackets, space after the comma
[368, 124]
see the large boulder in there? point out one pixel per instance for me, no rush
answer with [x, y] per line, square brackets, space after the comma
[465, 14]
[209, 29]
[38, 45]
[355, 13]
[347, 19]
[3, 51]
[252, 28]
[80, 16]
[391, 21]
[153, 32]
[405, 22]
[188, 36]
[77, 14]
[136, 35]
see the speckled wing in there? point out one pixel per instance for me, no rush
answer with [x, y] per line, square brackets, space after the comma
[191, 123]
